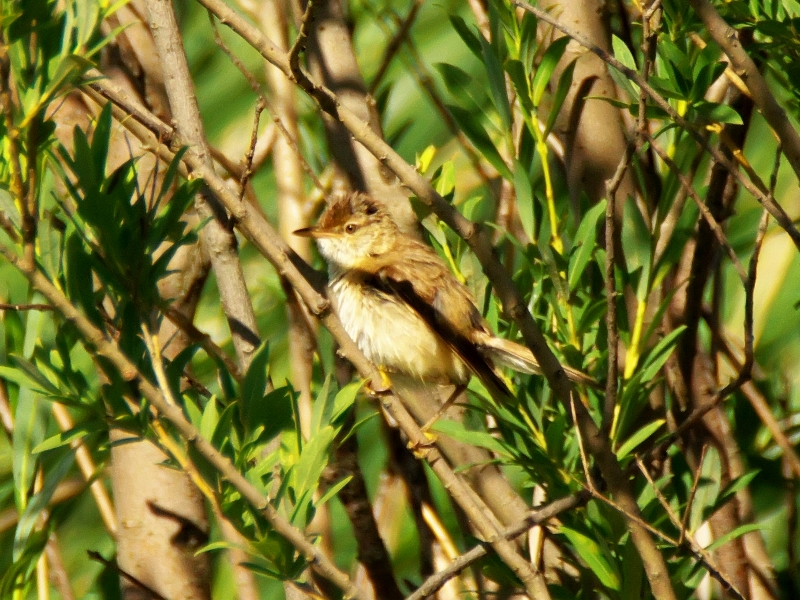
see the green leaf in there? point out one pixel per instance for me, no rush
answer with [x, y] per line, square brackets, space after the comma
[470, 125]
[345, 398]
[446, 181]
[254, 383]
[66, 437]
[637, 438]
[584, 244]
[734, 486]
[313, 460]
[733, 534]
[100, 139]
[659, 355]
[208, 423]
[462, 86]
[28, 376]
[519, 79]
[221, 545]
[30, 426]
[497, 82]
[546, 68]
[261, 570]
[594, 556]
[717, 113]
[332, 491]
[564, 83]
[39, 502]
[522, 185]
[79, 279]
[458, 432]
[223, 430]
[9, 208]
[623, 54]
[466, 34]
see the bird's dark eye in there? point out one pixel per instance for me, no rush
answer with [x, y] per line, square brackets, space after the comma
[350, 228]
[372, 209]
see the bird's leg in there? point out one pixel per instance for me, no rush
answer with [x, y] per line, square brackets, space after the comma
[383, 386]
[459, 389]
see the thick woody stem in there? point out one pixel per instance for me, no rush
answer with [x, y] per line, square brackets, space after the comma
[216, 235]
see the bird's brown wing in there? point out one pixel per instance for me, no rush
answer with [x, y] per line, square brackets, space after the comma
[425, 283]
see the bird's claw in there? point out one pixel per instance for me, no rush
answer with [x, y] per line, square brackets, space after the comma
[383, 387]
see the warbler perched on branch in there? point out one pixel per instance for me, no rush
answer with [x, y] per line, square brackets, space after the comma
[403, 307]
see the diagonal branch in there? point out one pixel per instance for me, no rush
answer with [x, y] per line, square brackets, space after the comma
[725, 37]
[216, 235]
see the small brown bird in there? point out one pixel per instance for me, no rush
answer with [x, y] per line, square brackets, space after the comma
[403, 307]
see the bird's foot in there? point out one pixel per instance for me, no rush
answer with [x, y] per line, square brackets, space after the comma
[381, 387]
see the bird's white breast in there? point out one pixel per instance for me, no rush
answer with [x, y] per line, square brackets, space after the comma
[391, 334]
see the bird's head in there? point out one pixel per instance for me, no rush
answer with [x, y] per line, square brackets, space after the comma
[353, 232]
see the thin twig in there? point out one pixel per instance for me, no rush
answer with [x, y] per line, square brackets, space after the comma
[612, 186]
[688, 510]
[299, 44]
[536, 517]
[400, 36]
[263, 102]
[699, 552]
[704, 210]
[248, 157]
[21, 307]
[110, 564]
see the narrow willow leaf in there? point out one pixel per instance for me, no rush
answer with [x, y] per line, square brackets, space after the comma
[466, 34]
[459, 433]
[546, 68]
[733, 534]
[39, 502]
[584, 244]
[254, 383]
[659, 355]
[472, 128]
[522, 185]
[497, 82]
[332, 491]
[591, 552]
[637, 438]
[564, 83]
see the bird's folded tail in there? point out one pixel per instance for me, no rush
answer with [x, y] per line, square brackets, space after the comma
[520, 358]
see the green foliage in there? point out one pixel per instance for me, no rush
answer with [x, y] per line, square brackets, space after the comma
[106, 235]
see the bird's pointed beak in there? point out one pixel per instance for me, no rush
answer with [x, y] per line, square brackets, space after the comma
[311, 232]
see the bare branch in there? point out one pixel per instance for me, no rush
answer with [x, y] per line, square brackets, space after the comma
[536, 517]
[612, 186]
[216, 234]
